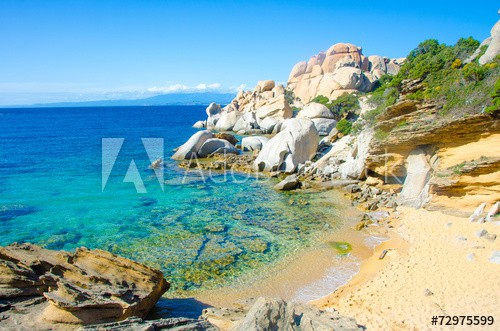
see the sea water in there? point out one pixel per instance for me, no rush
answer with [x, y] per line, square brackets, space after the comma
[202, 230]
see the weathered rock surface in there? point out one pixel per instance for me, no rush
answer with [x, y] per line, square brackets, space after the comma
[191, 147]
[295, 144]
[138, 324]
[87, 287]
[275, 314]
[254, 143]
[493, 47]
[289, 183]
[342, 68]
[416, 186]
[214, 145]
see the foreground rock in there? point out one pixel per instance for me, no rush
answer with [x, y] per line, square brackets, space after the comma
[295, 144]
[87, 287]
[138, 324]
[276, 314]
[289, 183]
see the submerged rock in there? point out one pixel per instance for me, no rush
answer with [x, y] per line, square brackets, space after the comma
[87, 287]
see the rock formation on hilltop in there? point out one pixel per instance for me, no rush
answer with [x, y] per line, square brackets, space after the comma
[342, 68]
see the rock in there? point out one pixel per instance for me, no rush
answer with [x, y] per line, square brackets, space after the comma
[289, 183]
[226, 136]
[296, 143]
[267, 124]
[277, 107]
[246, 122]
[495, 257]
[315, 110]
[481, 233]
[494, 46]
[324, 125]
[265, 85]
[191, 147]
[276, 314]
[212, 121]
[199, 125]
[474, 55]
[87, 287]
[354, 165]
[138, 324]
[254, 143]
[492, 212]
[213, 109]
[477, 213]
[428, 292]
[156, 164]
[214, 145]
[227, 121]
[278, 90]
[416, 185]
[373, 181]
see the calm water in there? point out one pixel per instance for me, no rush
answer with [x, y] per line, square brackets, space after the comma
[200, 234]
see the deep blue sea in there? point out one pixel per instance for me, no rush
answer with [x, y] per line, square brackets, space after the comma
[199, 233]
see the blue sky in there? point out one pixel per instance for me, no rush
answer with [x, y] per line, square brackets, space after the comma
[83, 50]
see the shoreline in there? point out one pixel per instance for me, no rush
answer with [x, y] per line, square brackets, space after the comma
[433, 267]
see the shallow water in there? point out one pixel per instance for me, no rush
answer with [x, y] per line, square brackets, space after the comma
[199, 233]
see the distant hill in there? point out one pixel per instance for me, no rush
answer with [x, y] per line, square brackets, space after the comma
[159, 100]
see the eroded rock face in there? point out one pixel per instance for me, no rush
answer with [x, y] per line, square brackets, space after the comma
[342, 68]
[87, 287]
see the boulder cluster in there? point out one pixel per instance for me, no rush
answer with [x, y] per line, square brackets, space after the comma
[342, 68]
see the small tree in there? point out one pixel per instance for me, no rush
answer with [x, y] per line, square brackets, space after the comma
[344, 126]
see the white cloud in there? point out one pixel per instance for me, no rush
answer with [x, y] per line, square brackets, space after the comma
[184, 88]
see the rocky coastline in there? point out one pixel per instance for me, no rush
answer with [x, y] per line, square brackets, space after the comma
[408, 160]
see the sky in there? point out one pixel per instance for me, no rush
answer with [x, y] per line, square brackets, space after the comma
[52, 51]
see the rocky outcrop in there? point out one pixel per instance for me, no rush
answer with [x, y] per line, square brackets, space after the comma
[416, 185]
[276, 314]
[493, 45]
[138, 324]
[295, 144]
[87, 287]
[191, 147]
[342, 68]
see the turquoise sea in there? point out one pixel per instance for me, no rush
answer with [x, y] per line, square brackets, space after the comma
[200, 233]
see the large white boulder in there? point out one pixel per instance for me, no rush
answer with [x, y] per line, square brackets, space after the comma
[324, 125]
[494, 46]
[191, 147]
[253, 143]
[267, 124]
[265, 85]
[227, 120]
[212, 109]
[416, 186]
[295, 144]
[315, 110]
[212, 121]
[354, 166]
[246, 122]
[214, 145]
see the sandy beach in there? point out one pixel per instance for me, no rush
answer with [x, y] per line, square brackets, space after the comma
[436, 265]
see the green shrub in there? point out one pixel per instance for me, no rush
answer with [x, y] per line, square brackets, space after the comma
[495, 95]
[474, 72]
[320, 99]
[344, 126]
[345, 103]
[381, 134]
